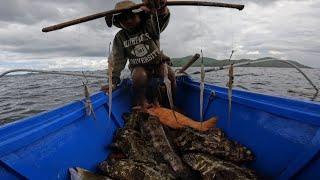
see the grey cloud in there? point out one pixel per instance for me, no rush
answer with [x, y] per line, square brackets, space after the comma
[263, 26]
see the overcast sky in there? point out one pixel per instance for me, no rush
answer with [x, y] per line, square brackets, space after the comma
[286, 29]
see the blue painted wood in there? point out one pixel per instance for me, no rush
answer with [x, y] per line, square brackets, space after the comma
[283, 133]
[303, 159]
[266, 124]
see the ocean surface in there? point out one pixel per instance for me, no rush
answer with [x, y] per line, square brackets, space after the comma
[26, 95]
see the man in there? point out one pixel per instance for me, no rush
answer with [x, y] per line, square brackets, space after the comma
[138, 42]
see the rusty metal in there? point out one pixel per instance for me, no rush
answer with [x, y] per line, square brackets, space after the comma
[137, 6]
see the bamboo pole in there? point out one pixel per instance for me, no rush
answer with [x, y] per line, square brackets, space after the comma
[137, 6]
[189, 63]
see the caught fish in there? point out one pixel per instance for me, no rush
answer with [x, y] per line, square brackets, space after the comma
[127, 169]
[167, 83]
[154, 129]
[82, 174]
[230, 86]
[132, 120]
[212, 168]
[88, 103]
[166, 117]
[213, 142]
[201, 88]
[132, 144]
[110, 69]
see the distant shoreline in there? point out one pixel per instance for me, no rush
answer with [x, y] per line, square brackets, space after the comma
[210, 62]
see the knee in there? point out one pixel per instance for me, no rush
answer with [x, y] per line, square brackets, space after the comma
[139, 76]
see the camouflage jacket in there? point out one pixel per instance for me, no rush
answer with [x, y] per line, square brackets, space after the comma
[140, 46]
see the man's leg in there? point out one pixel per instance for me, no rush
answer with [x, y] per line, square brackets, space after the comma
[140, 83]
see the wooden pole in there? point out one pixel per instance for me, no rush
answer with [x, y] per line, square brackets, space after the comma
[189, 63]
[137, 6]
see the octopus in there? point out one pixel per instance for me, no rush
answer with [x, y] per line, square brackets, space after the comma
[212, 168]
[213, 142]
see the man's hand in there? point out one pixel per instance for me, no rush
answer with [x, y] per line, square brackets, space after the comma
[153, 6]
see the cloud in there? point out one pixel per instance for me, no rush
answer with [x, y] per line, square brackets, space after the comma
[253, 53]
[273, 52]
[281, 28]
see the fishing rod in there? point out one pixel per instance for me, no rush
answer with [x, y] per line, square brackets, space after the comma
[137, 6]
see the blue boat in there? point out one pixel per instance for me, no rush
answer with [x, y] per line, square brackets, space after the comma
[283, 133]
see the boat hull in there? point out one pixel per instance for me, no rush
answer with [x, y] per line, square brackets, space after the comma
[283, 133]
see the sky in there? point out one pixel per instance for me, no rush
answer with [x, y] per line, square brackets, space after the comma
[285, 29]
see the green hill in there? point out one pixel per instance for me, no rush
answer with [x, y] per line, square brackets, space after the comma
[210, 62]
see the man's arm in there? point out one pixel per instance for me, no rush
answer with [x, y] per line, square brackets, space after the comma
[119, 60]
[158, 7]
[163, 19]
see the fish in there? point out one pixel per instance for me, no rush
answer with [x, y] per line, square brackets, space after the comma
[230, 86]
[167, 83]
[212, 168]
[127, 169]
[110, 69]
[83, 174]
[166, 118]
[132, 144]
[132, 120]
[213, 142]
[202, 76]
[152, 127]
[88, 102]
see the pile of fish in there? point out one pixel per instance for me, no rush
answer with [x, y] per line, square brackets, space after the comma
[146, 149]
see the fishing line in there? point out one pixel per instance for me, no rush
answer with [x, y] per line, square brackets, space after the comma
[202, 77]
[230, 73]
[166, 79]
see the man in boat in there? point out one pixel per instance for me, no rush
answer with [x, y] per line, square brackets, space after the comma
[138, 42]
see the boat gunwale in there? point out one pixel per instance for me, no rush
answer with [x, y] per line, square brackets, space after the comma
[242, 97]
[32, 130]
